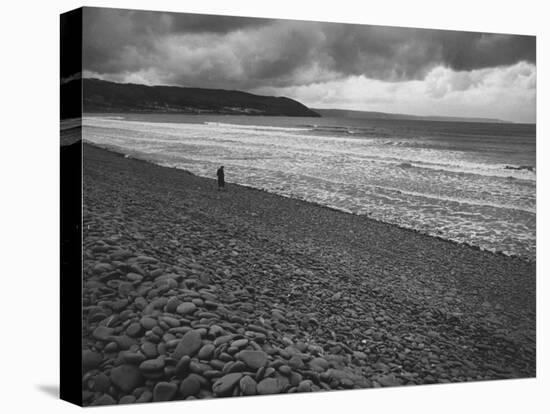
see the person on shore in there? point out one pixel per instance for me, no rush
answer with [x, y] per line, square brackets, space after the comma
[221, 178]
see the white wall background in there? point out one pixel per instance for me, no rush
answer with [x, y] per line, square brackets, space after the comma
[29, 276]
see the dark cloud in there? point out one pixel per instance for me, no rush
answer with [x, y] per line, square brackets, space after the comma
[204, 23]
[244, 53]
[466, 51]
[403, 53]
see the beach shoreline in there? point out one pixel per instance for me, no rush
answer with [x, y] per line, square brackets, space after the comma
[320, 205]
[379, 304]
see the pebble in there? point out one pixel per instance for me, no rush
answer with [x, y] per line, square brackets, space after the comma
[296, 362]
[133, 358]
[126, 377]
[134, 277]
[239, 343]
[171, 312]
[101, 382]
[223, 387]
[164, 391]
[146, 396]
[149, 349]
[388, 380]
[253, 359]
[172, 305]
[123, 342]
[285, 370]
[182, 366]
[189, 344]
[90, 360]
[190, 386]
[152, 365]
[304, 386]
[269, 386]
[148, 323]
[206, 352]
[319, 364]
[247, 385]
[223, 339]
[134, 330]
[104, 399]
[103, 333]
[186, 308]
[127, 399]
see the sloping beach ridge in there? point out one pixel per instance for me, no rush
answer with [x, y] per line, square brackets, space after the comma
[190, 292]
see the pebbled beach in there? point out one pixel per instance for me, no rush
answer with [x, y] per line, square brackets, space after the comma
[190, 292]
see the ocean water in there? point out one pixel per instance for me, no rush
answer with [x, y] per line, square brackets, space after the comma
[473, 183]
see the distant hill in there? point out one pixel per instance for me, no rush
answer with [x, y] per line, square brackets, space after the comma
[344, 113]
[103, 96]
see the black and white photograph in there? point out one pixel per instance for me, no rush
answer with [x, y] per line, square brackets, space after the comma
[277, 206]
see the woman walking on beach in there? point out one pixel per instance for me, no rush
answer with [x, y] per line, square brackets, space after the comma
[221, 178]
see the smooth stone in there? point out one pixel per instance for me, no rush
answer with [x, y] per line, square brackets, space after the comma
[248, 385]
[212, 373]
[121, 254]
[171, 322]
[189, 344]
[102, 267]
[294, 379]
[148, 323]
[101, 382]
[134, 277]
[296, 362]
[186, 308]
[103, 333]
[220, 340]
[319, 364]
[90, 360]
[164, 391]
[182, 367]
[198, 368]
[269, 386]
[285, 370]
[127, 399]
[152, 365]
[124, 341]
[206, 352]
[237, 366]
[253, 359]
[223, 387]
[149, 349]
[126, 377]
[359, 355]
[105, 399]
[190, 386]
[157, 330]
[388, 380]
[146, 396]
[172, 305]
[146, 259]
[134, 329]
[216, 330]
[304, 386]
[133, 358]
[239, 343]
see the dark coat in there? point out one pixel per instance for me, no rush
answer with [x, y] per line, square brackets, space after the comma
[221, 177]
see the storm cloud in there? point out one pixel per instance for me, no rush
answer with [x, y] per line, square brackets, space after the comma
[256, 54]
[240, 52]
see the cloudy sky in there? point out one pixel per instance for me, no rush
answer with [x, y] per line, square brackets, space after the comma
[323, 65]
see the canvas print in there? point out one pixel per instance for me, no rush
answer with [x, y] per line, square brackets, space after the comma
[278, 206]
